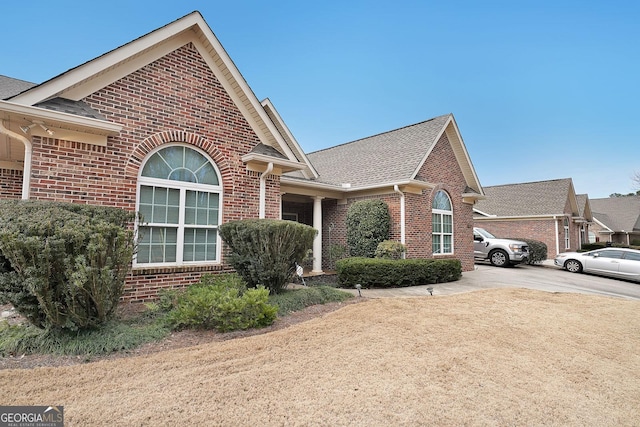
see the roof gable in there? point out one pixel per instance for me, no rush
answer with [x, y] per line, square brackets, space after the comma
[618, 213]
[542, 198]
[391, 157]
[85, 79]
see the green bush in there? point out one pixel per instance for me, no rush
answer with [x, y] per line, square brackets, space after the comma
[390, 249]
[296, 299]
[537, 250]
[64, 265]
[385, 273]
[368, 224]
[264, 252]
[222, 302]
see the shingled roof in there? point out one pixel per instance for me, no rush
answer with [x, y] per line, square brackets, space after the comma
[387, 157]
[527, 199]
[618, 213]
[10, 86]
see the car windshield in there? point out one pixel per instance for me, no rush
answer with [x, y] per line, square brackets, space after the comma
[484, 233]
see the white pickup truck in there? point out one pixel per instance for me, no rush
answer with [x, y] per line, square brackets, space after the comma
[499, 252]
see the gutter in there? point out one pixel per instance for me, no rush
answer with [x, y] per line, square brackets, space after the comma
[28, 152]
[555, 221]
[263, 190]
[402, 214]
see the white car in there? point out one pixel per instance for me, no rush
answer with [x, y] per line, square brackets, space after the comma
[616, 262]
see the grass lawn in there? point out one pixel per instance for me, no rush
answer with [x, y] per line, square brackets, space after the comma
[494, 357]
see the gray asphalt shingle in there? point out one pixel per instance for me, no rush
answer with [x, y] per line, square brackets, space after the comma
[618, 213]
[387, 157]
[525, 199]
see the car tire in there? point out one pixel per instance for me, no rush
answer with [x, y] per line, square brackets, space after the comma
[499, 258]
[573, 266]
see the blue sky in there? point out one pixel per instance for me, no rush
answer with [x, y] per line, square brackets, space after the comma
[540, 89]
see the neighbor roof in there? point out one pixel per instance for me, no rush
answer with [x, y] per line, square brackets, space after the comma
[383, 158]
[528, 199]
[10, 86]
[618, 213]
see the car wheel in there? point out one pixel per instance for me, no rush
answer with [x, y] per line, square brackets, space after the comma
[573, 266]
[499, 258]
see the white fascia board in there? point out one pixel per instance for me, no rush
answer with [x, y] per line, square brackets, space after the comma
[463, 147]
[27, 113]
[102, 63]
[267, 102]
[286, 164]
[520, 217]
[601, 224]
[483, 213]
[334, 187]
[431, 147]
[254, 108]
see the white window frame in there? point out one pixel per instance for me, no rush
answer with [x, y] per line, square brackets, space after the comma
[442, 213]
[567, 237]
[183, 187]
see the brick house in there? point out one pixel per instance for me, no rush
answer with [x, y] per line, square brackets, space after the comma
[548, 211]
[166, 125]
[617, 219]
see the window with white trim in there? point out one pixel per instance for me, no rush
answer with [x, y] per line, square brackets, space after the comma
[180, 200]
[567, 240]
[442, 224]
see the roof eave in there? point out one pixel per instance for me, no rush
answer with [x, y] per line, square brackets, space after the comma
[27, 113]
[259, 162]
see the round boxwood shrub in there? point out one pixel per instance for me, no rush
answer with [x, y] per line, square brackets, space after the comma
[264, 252]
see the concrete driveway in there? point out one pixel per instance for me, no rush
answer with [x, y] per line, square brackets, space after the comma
[544, 277]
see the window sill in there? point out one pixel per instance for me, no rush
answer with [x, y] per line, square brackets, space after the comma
[141, 270]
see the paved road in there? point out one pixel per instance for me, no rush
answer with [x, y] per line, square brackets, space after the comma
[545, 278]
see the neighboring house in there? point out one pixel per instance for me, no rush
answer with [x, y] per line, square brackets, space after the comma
[617, 219]
[548, 211]
[166, 125]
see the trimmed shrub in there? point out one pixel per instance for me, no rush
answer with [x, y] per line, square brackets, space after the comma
[390, 249]
[386, 273]
[222, 302]
[64, 265]
[537, 250]
[368, 224]
[264, 252]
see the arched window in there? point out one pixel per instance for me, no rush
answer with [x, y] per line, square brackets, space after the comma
[442, 224]
[180, 200]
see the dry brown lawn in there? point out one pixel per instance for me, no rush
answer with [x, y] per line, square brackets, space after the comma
[496, 357]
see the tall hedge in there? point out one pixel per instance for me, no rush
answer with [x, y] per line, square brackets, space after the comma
[265, 251]
[368, 224]
[62, 265]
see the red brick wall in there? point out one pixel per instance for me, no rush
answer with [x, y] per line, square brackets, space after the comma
[440, 167]
[10, 184]
[543, 230]
[175, 99]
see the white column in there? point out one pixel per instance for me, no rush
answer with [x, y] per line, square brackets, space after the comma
[317, 242]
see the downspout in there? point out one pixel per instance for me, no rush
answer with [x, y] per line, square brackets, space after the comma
[402, 216]
[555, 220]
[28, 153]
[263, 190]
